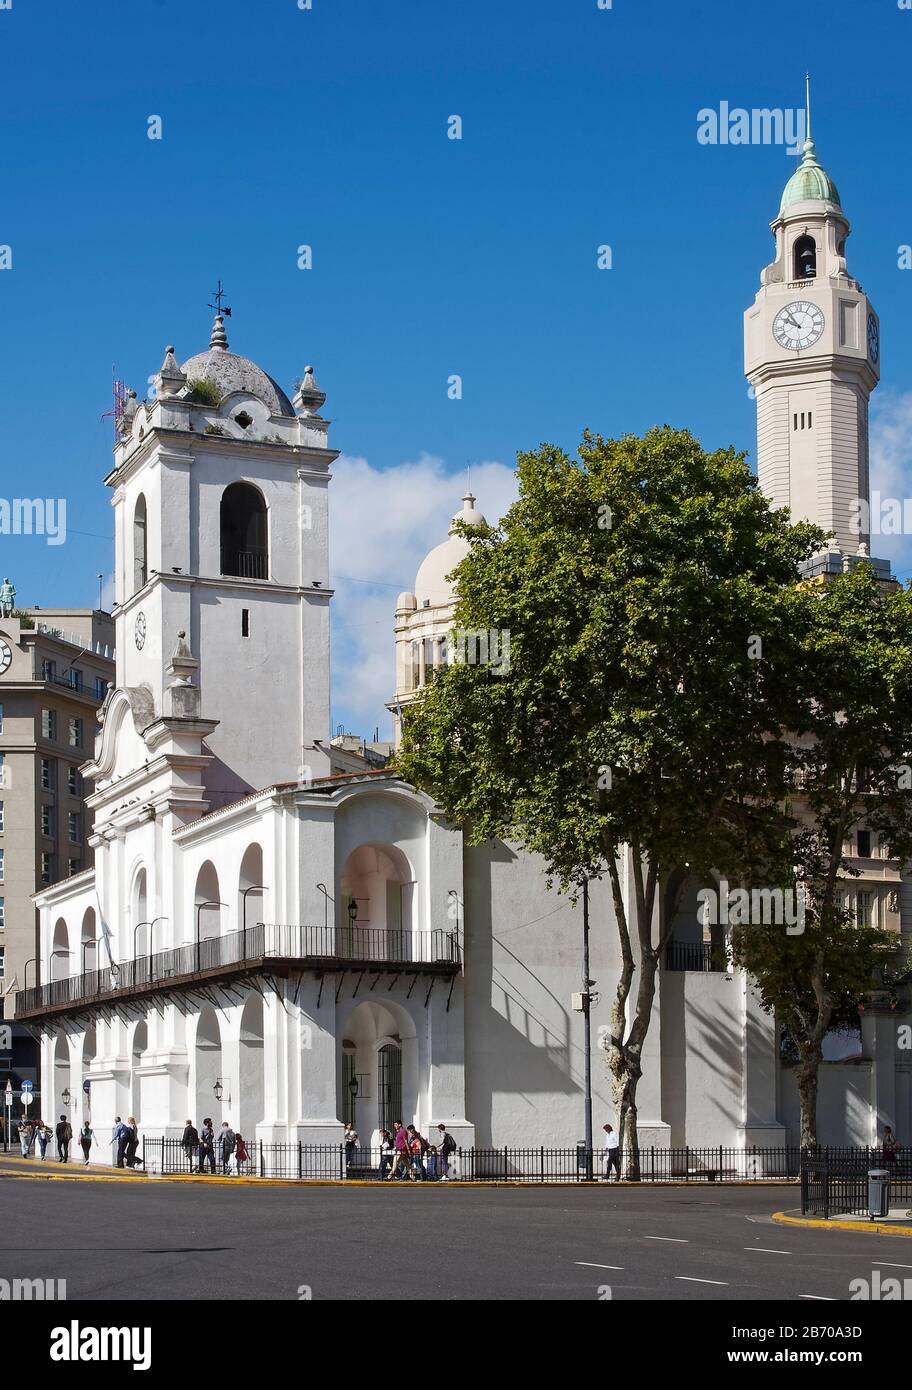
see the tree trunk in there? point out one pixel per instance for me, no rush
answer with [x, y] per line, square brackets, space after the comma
[808, 1076]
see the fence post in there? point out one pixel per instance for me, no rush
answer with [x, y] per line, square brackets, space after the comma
[542, 1162]
[505, 1163]
[721, 1173]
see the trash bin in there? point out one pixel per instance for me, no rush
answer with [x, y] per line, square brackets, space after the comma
[878, 1192]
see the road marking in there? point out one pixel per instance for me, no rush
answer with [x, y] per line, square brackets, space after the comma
[676, 1240]
[590, 1264]
[765, 1250]
[893, 1265]
[690, 1280]
[817, 1297]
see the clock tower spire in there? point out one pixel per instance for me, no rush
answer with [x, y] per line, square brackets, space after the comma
[812, 355]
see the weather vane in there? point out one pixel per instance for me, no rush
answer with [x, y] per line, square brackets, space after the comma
[218, 296]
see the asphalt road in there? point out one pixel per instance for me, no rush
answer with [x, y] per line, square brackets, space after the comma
[156, 1240]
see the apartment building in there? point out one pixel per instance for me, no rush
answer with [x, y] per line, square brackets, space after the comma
[55, 667]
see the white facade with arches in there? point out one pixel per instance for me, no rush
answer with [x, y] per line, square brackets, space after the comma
[269, 943]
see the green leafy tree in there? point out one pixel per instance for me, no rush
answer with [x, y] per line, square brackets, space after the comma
[645, 591]
[851, 684]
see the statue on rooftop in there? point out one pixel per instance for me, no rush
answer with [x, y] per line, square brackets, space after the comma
[7, 599]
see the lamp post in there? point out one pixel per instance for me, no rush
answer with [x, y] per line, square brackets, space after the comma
[32, 961]
[587, 1035]
[58, 951]
[201, 907]
[353, 1089]
[91, 942]
[254, 888]
[321, 888]
[151, 926]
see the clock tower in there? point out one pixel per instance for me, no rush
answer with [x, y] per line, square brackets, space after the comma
[812, 355]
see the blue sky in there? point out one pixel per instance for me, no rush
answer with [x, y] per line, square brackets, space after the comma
[431, 256]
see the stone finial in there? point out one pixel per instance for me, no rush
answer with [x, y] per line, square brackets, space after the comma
[131, 405]
[863, 550]
[183, 697]
[170, 378]
[309, 397]
[219, 338]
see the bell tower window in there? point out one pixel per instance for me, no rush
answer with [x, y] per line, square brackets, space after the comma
[805, 258]
[140, 559]
[244, 546]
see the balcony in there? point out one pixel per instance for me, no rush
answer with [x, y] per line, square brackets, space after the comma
[695, 955]
[264, 948]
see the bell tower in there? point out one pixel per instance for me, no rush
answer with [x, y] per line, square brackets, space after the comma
[220, 499]
[812, 355]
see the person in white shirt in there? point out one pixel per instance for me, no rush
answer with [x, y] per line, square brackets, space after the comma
[612, 1154]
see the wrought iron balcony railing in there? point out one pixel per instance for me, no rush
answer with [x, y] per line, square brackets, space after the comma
[349, 947]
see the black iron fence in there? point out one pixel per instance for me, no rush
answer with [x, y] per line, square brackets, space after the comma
[340, 945]
[698, 956]
[526, 1165]
[834, 1181]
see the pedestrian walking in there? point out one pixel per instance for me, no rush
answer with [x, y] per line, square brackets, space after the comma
[241, 1156]
[132, 1142]
[351, 1141]
[64, 1134]
[190, 1143]
[417, 1145]
[386, 1154]
[227, 1142]
[612, 1154]
[432, 1158]
[207, 1147]
[43, 1136]
[25, 1136]
[86, 1140]
[446, 1153]
[121, 1138]
[401, 1157]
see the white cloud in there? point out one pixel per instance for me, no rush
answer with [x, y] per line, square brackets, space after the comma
[382, 524]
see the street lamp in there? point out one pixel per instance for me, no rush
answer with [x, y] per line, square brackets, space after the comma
[219, 1090]
[254, 888]
[65, 1095]
[201, 907]
[151, 926]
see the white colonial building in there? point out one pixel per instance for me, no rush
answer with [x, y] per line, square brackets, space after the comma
[262, 928]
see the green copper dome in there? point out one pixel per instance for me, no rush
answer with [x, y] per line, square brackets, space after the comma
[810, 182]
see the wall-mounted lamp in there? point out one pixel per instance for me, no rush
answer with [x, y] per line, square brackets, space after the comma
[219, 1090]
[65, 1095]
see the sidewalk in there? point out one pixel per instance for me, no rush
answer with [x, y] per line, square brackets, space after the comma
[897, 1222]
[14, 1165]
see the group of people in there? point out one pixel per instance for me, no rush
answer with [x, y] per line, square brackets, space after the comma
[36, 1135]
[202, 1146]
[407, 1155]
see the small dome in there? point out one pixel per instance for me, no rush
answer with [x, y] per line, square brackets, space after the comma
[432, 588]
[229, 373]
[406, 601]
[810, 182]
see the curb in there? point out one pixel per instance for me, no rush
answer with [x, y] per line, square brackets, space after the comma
[815, 1223]
[217, 1179]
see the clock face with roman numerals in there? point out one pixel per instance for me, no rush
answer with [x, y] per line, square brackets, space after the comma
[799, 325]
[139, 631]
[6, 655]
[873, 338]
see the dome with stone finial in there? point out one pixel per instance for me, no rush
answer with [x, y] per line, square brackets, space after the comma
[809, 183]
[229, 373]
[432, 588]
